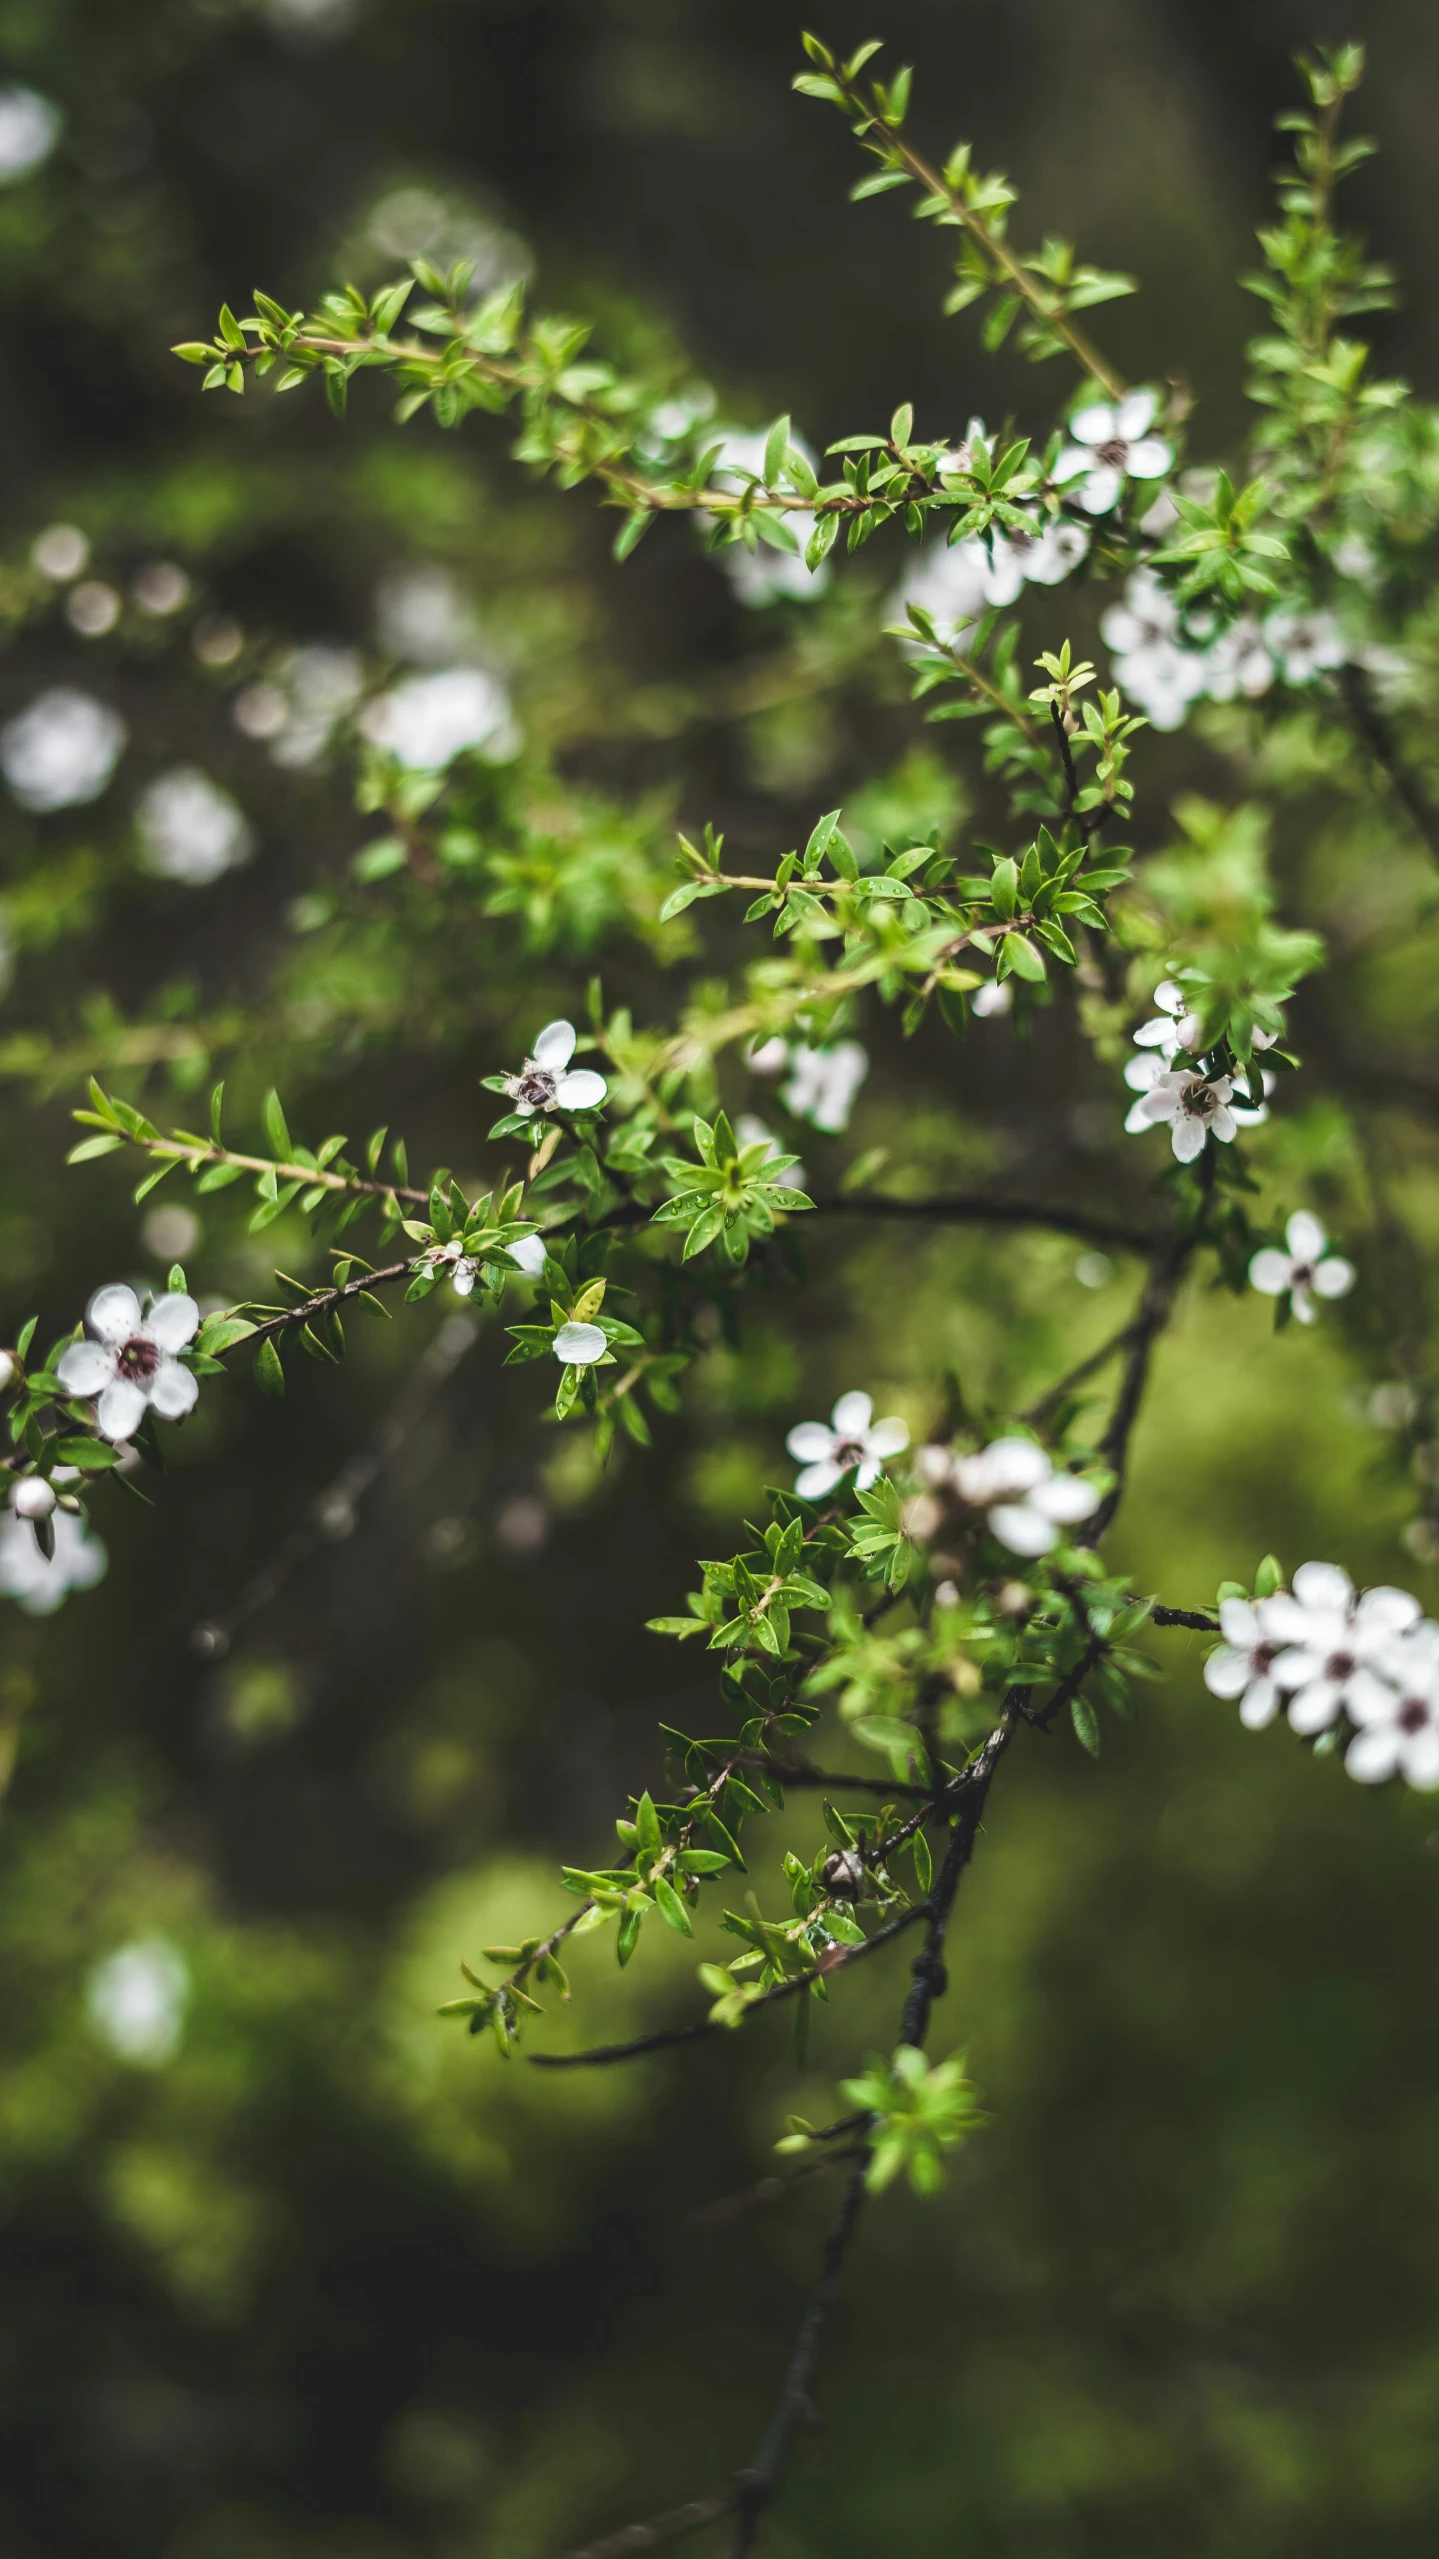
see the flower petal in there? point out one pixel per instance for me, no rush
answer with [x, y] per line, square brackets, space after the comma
[1070, 463]
[1259, 1705]
[1134, 416]
[113, 1314]
[1373, 1756]
[1313, 1709]
[1101, 490]
[1188, 1138]
[1368, 1700]
[813, 1482]
[1421, 1760]
[85, 1368]
[1335, 1277]
[173, 1390]
[582, 1090]
[1137, 1119]
[1305, 1236]
[1065, 1498]
[1099, 424]
[866, 1474]
[1384, 1609]
[1226, 1673]
[1239, 1623]
[852, 1412]
[887, 1438]
[554, 1047]
[1150, 458]
[1023, 1530]
[1271, 1272]
[1323, 1586]
[580, 1345]
[810, 1441]
[529, 1254]
[121, 1409]
[173, 1320]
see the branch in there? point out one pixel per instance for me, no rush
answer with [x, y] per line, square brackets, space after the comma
[660, 2528]
[1198, 1618]
[1155, 1308]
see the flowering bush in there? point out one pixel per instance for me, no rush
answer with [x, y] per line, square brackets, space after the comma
[634, 1213]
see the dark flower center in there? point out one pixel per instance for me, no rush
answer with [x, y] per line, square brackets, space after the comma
[138, 1359]
[849, 1452]
[1261, 1657]
[1115, 452]
[1414, 1714]
[1302, 1275]
[535, 1087]
[1201, 1101]
[1339, 1666]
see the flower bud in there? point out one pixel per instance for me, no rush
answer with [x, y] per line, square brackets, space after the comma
[9, 1369]
[33, 1498]
[843, 1874]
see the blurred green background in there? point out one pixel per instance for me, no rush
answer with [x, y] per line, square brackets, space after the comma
[303, 2274]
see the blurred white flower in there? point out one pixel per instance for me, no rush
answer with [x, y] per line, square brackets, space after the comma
[580, 1345]
[171, 1232]
[768, 1057]
[993, 1000]
[92, 609]
[131, 1362]
[1041, 558]
[430, 719]
[39, 1583]
[418, 222]
[1305, 644]
[1174, 1026]
[1308, 1270]
[849, 1440]
[190, 829]
[1027, 1502]
[1110, 446]
[161, 588]
[823, 1083]
[61, 751]
[1150, 665]
[422, 613]
[762, 575]
[1398, 1721]
[1238, 662]
[947, 582]
[546, 1081]
[33, 1497]
[1243, 1665]
[311, 689]
[60, 553]
[136, 2000]
[30, 127]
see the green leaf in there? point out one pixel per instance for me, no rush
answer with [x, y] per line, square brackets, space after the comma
[275, 1129]
[775, 448]
[1086, 1724]
[672, 1907]
[269, 1375]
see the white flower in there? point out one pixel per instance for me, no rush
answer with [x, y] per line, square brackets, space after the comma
[1174, 1026]
[1307, 1270]
[1238, 662]
[768, 1057]
[430, 719]
[464, 1270]
[958, 463]
[1333, 1645]
[545, 1081]
[1150, 664]
[1399, 1723]
[823, 1083]
[1305, 644]
[60, 552]
[41, 1583]
[849, 1439]
[1243, 1665]
[992, 999]
[313, 688]
[421, 613]
[1110, 446]
[191, 830]
[61, 751]
[1196, 1107]
[131, 1361]
[529, 1253]
[948, 583]
[136, 2000]
[762, 575]
[1043, 557]
[750, 1130]
[580, 1345]
[1015, 1482]
[29, 130]
[33, 1498]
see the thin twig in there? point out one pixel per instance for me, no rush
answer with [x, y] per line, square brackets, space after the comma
[1155, 1308]
[660, 2528]
[757, 2484]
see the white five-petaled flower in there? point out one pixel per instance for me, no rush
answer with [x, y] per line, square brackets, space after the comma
[851, 1438]
[1043, 556]
[1196, 1107]
[1333, 1646]
[1308, 1270]
[546, 1081]
[130, 1363]
[823, 1083]
[580, 1345]
[1112, 445]
[1305, 644]
[1151, 665]
[1398, 1716]
[1027, 1501]
[1243, 1665]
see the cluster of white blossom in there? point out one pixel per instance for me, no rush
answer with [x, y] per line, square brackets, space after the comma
[1324, 1654]
[1165, 668]
[427, 720]
[1194, 1106]
[1026, 1499]
[822, 1082]
[851, 1441]
[297, 707]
